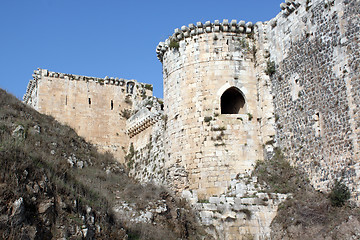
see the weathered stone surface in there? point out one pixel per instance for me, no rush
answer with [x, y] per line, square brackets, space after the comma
[19, 132]
[85, 104]
[18, 212]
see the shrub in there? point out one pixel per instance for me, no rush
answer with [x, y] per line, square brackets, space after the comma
[126, 113]
[207, 119]
[160, 101]
[278, 174]
[270, 68]
[149, 87]
[174, 44]
[339, 194]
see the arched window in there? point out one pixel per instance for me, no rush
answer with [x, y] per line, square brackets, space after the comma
[130, 87]
[232, 101]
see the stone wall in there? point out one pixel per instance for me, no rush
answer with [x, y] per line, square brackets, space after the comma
[146, 156]
[94, 107]
[244, 211]
[316, 89]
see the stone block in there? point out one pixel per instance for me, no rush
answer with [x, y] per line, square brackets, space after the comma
[214, 200]
[209, 206]
[230, 200]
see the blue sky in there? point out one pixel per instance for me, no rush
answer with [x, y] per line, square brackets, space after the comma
[103, 37]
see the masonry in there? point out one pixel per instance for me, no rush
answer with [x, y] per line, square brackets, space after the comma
[94, 107]
[233, 91]
[316, 89]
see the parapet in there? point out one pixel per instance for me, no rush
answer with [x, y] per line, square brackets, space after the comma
[289, 6]
[42, 73]
[206, 28]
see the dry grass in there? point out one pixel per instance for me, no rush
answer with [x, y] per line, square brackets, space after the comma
[44, 158]
[308, 212]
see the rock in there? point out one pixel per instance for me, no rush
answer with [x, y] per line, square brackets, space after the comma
[80, 164]
[70, 161]
[18, 212]
[45, 205]
[19, 132]
[37, 129]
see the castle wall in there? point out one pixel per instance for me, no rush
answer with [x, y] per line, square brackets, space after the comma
[146, 156]
[207, 146]
[316, 89]
[93, 107]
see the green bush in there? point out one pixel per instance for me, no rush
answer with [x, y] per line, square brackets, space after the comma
[149, 87]
[339, 194]
[174, 44]
[207, 119]
[270, 68]
[126, 113]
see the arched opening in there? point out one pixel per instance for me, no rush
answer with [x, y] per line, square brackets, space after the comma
[232, 101]
[130, 87]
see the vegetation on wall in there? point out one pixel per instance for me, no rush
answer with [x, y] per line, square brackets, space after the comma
[174, 44]
[126, 113]
[130, 155]
[339, 194]
[207, 119]
[149, 87]
[270, 68]
[306, 213]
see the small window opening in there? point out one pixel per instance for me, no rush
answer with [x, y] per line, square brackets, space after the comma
[66, 100]
[162, 107]
[112, 105]
[89, 101]
[130, 87]
[232, 101]
[317, 124]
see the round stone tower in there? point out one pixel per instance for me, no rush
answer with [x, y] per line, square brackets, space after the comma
[210, 96]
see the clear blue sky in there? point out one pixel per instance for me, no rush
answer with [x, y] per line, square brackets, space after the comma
[103, 37]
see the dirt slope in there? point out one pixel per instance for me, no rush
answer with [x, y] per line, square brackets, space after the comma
[53, 184]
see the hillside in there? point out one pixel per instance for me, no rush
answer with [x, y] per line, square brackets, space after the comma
[307, 213]
[53, 184]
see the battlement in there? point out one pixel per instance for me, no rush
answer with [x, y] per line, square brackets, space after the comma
[199, 28]
[42, 73]
[289, 6]
[226, 26]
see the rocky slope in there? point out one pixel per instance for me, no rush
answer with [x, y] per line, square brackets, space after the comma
[55, 185]
[307, 213]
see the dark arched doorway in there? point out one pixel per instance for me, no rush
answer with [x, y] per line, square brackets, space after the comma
[232, 101]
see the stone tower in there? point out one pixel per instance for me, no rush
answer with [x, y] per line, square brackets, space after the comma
[211, 105]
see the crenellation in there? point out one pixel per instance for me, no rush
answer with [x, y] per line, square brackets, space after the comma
[83, 102]
[200, 28]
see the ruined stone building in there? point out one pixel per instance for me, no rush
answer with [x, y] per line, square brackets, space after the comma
[233, 91]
